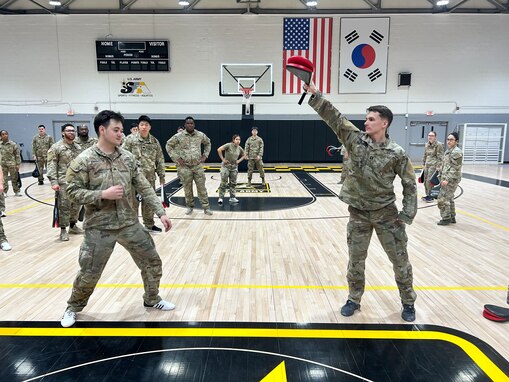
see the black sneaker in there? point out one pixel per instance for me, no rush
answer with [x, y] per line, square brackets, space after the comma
[155, 229]
[408, 313]
[444, 222]
[41, 183]
[349, 308]
[453, 220]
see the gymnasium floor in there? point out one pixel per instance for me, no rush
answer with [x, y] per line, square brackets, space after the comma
[258, 289]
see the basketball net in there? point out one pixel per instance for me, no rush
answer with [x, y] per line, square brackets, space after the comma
[246, 95]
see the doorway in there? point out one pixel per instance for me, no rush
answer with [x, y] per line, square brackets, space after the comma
[418, 136]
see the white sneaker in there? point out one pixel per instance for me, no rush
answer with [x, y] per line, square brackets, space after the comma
[17, 194]
[2, 214]
[76, 230]
[189, 211]
[5, 246]
[161, 305]
[207, 211]
[220, 201]
[233, 200]
[68, 319]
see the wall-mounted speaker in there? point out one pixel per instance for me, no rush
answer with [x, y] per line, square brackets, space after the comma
[404, 79]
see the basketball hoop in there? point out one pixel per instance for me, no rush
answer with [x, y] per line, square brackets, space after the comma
[246, 93]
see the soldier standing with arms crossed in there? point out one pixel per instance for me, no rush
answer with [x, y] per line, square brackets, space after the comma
[41, 143]
[60, 156]
[147, 149]
[184, 149]
[432, 161]
[254, 153]
[105, 178]
[375, 160]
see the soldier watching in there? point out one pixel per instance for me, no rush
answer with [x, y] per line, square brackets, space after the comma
[83, 139]
[450, 178]
[375, 160]
[233, 155]
[60, 156]
[105, 179]
[432, 161]
[184, 149]
[11, 160]
[254, 153]
[147, 149]
[41, 143]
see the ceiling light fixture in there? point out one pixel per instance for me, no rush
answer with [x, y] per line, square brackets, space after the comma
[311, 3]
[55, 3]
[184, 3]
[442, 2]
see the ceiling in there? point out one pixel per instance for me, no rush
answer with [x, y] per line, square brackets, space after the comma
[271, 7]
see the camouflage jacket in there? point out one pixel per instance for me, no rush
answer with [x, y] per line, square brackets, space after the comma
[451, 168]
[10, 153]
[254, 147]
[41, 145]
[93, 172]
[433, 154]
[232, 153]
[149, 153]
[372, 166]
[60, 156]
[187, 147]
[85, 144]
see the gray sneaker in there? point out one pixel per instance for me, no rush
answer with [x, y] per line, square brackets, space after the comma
[233, 200]
[76, 230]
[189, 211]
[207, 211]
[64, 236]
[68, 319]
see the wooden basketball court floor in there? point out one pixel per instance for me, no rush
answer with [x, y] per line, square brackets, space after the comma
[258, 292]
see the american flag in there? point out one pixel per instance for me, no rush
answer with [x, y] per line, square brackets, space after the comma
[310, 38]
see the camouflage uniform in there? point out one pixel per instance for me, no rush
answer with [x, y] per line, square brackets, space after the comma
[2, 208]
[433, 154]
[344, 168]
[451, 172]
[187, 147]
[11, 160]
[150, 155]
[40, 147]
[230, 171]
[369, 192]
[60, 156]
[110, 221]
[254, 148]
[85, 143]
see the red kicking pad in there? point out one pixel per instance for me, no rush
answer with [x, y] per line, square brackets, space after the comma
[302, 68]
[495, 313]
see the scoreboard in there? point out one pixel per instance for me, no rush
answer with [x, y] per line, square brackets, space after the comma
[132, 56]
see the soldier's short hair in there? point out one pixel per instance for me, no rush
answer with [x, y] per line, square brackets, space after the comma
[455, 135]
[188, 117]
[41, 126]
[235, 136]
[66, 125]
[134, 124]
[384, 112]
[254, 128]
[144, 118]
[104, 117]
[4, 131]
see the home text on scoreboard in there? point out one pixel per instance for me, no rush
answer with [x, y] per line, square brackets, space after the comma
[133, 56]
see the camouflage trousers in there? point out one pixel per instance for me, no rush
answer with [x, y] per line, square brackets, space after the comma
[2, 233]
[251, 163]
[445, 200]
[228, 180]
[344, 171]
[146, 212]
[393, 238]
[187, 174]
[67, 212]
[428, 174]
[95, 251]
[2, 201]
[14, 178]
[42, 163]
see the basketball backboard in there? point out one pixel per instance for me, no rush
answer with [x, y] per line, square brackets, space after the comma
[234, 77]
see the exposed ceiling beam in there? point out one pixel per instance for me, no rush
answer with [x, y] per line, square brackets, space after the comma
[41, 6]
[125, 6]
[7, 3]
[375, 5]
[66, 4]
[499, 5]
[193, 4]
[457, 5]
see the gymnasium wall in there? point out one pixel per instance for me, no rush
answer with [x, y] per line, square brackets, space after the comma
[458, 65]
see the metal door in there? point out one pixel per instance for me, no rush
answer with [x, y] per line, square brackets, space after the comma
[418, 136]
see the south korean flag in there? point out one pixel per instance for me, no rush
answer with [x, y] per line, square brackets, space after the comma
[363, 55]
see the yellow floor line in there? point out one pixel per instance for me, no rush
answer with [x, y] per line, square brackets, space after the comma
[33, 205]
[483, 220]
[492, 370]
